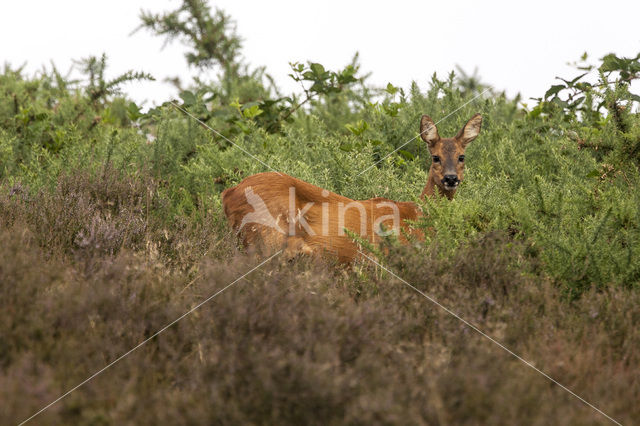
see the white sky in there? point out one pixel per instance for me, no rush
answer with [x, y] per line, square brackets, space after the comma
[517, 46]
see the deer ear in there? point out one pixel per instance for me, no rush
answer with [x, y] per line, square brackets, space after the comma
[428, 131]
[470, 130]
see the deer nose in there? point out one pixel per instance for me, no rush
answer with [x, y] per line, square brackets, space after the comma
[450, 180]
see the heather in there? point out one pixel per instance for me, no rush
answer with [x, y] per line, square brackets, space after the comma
[112, 227]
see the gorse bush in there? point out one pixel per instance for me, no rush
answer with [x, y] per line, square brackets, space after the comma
[112, 227]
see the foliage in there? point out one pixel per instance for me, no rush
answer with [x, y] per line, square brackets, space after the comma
[233, 115]
[211, 37]
[610, 92]
[603, 107]
[98, 88]
[113, 227]
[526, 176]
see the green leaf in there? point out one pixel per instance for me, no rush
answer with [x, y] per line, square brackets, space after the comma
[611, 62]
[572, 82]
[347, 76]
[391, 89]
[133, 111]
[576, 102]
[359, 128]
[317, 69]
[536, 111]
[296, 66]
[391, 109]
[188, 98]
[560, 102]
[252, 111]
[554, 90]
[347, 147]
[235, 104]
[583, 85]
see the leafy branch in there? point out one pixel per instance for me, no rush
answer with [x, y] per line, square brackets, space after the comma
[578, 96]
[98, 88]
[323, 82]
[212, 38]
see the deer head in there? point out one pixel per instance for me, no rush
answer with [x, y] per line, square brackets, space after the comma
[447, 154]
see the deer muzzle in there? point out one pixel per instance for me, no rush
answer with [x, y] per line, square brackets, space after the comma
[450, 182]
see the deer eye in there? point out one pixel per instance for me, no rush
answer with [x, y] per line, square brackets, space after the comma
[461, 158]
[436, 159]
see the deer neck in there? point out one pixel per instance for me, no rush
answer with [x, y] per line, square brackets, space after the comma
[430, 188]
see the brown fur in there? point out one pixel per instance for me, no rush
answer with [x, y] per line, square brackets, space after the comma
[276, 224]
[449, 151]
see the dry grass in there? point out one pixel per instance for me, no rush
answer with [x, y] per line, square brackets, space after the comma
[86, 273]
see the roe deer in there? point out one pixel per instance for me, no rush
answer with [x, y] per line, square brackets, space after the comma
[280, 211]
